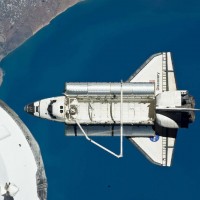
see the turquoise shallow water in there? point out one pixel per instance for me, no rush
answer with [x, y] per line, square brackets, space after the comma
[108, 41]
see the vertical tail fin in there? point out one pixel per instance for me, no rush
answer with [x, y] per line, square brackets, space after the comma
[159, 69]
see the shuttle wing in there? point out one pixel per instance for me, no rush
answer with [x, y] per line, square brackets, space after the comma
[159, 69]
[158, 149]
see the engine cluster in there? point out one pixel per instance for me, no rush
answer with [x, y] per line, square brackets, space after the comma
[175, 109]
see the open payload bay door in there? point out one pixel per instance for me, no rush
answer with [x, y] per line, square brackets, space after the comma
[159, 69]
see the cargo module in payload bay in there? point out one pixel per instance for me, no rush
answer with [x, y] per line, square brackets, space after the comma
[147, 109]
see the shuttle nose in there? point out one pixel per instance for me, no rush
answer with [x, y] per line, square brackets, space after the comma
[30, 108]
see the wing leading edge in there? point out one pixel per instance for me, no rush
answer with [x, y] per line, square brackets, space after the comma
[159, 69]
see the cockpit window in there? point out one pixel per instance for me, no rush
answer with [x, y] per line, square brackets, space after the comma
[49, 109]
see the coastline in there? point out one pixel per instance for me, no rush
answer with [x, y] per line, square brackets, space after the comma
[28, 23]
[58, 13]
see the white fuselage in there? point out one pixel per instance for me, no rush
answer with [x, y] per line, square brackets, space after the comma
[109, 103]
[100, 104]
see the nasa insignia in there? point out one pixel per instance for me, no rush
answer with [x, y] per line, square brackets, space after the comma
[155, 138]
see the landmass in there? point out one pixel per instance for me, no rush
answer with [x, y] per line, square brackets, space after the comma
[21, 162]
[1, 76]
[20, 19]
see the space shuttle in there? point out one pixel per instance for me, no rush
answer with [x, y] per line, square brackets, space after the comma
[147, 109]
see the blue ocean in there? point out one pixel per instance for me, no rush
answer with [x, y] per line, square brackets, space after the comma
[107, 40]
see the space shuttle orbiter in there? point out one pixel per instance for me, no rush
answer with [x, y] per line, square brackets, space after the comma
[147, 109]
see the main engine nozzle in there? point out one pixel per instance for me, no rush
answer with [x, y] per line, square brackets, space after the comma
[175, 109]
